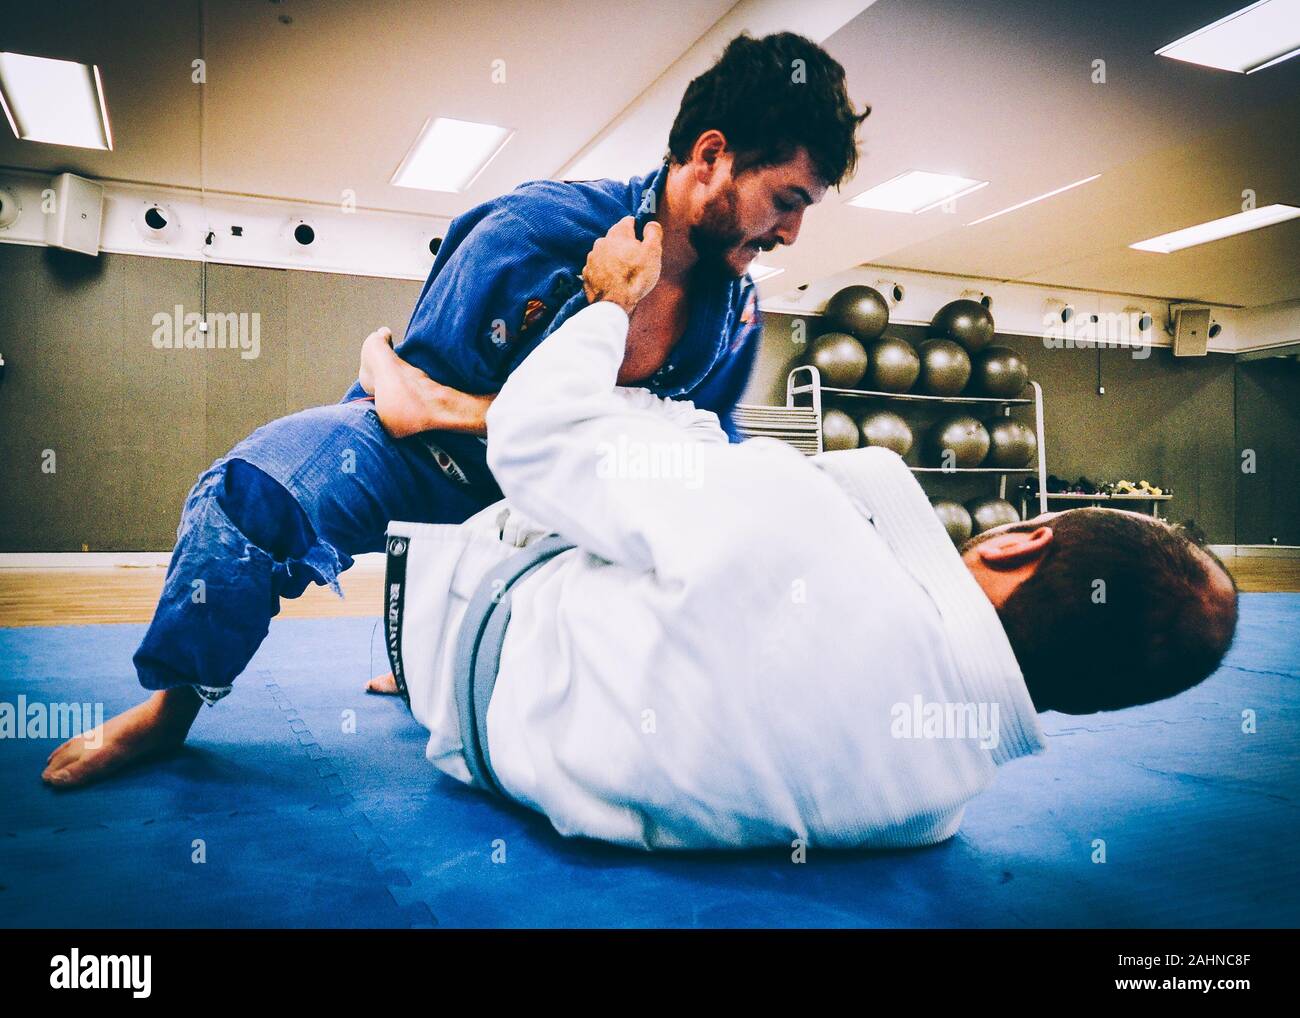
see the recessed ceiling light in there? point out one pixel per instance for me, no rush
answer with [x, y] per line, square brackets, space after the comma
[1217, 229]
[1248, 40]
[58, 102]
[916, 191]
[448, 154]
[1030, 201]
[760, 272]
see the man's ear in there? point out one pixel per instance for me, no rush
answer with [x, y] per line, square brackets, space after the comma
[709, 149]
[1015, 549]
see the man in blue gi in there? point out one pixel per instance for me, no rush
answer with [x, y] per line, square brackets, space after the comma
[758, 138]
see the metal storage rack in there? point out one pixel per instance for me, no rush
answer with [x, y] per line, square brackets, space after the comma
[1153, 501]
[796, 388]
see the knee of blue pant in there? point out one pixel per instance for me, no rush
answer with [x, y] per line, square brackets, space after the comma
[263, 516]
[264, 511]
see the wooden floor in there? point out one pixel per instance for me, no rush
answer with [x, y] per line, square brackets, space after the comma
[1263, 574]
[69, 597]
[76, 597]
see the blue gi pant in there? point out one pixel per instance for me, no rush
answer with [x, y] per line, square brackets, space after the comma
[288, 506]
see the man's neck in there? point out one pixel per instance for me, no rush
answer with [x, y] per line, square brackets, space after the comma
[679, 254]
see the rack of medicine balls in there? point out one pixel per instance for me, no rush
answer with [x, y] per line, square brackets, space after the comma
[953, 405]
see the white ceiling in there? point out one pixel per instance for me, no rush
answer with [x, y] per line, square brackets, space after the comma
[996, 89]
[1001, 90]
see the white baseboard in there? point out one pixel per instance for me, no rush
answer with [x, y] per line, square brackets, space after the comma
[369, 562]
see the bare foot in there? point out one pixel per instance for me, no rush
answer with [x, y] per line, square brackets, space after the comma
[370, 354]
[155, 726]
[385, 685]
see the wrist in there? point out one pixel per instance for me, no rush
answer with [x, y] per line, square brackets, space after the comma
[604, 297]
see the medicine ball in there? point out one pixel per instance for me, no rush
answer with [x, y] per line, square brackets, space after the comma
[840, 358]
[967, 322]
[894, 365]
[998, 371]
[1011, 444]
[838, 431]
[955, 519]
[964, 435]
[860, 310]
[887, 429]
[987, 513]
[945, 367]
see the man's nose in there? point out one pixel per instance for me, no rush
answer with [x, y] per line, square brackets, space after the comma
[787, 231]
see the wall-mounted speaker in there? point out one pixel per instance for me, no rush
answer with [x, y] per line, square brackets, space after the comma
[1191, 331]
[78, 212]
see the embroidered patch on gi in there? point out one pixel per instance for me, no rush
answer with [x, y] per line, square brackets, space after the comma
[534, 311]
[447, 465]
[747, 317]
[751, 308]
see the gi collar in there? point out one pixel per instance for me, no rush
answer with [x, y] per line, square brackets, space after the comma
[647, 193]
[883, 489]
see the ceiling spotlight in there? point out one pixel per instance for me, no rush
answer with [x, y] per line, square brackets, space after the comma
[916, 191]
[59, 102]
[1249, 40]
[447, 154]
[1217, 229]
[760, 272]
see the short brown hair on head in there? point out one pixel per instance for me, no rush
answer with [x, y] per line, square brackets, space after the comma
[769, 97]
[1123, 610]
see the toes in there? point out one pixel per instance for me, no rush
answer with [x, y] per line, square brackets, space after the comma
[56, 776]
[61, 755]
[383, 684]
[60, 749]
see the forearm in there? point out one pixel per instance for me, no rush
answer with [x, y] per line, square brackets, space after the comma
[554, 433]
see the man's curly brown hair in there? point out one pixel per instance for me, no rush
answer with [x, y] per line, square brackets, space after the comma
[769, 97]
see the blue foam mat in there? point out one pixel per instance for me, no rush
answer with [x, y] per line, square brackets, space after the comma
[309, 803]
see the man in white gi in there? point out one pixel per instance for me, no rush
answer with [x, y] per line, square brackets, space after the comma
[748, 647]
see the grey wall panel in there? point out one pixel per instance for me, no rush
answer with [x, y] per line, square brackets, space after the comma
[244, 393]
[24, 492]
[131, 425]
[162, 408]
[64, 331]
[328, 316]
[1268, 425]
[1172, 416]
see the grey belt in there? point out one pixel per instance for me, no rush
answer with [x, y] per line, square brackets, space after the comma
[478, 651]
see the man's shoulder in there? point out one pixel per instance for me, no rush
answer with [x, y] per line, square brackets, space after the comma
[568, 213]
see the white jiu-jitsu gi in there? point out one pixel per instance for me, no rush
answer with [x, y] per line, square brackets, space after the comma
[747, 647]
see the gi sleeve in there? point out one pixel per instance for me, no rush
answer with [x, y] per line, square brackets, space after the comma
[726, 385]
[611, 473]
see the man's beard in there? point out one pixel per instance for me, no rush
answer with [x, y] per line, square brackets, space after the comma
[718, 232]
